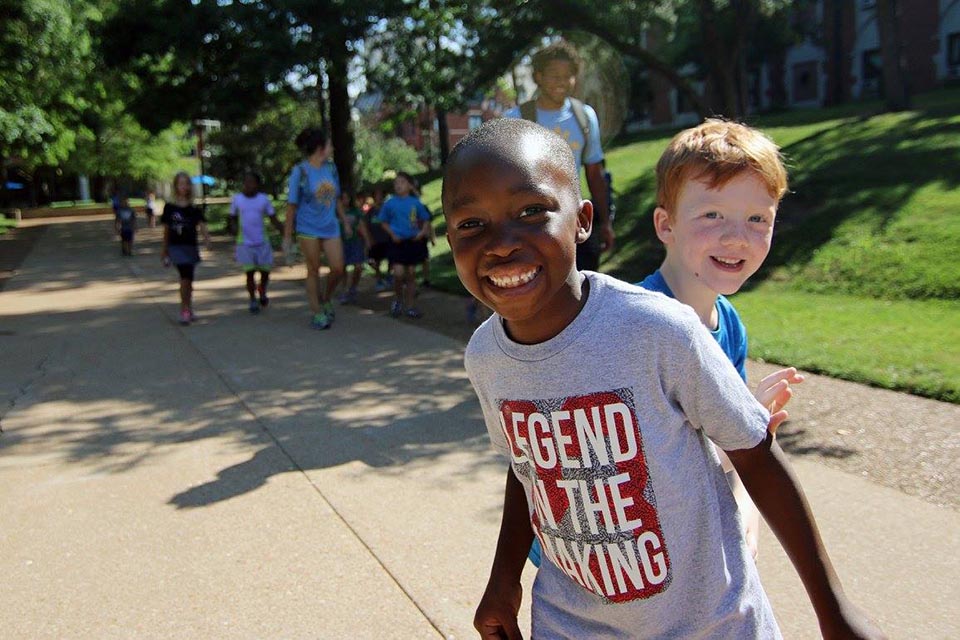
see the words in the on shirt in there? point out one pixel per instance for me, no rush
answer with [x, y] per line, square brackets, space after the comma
[594, 507]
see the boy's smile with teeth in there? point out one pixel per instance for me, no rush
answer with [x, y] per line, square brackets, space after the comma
[728, 262]
[514, 217]
[514, 280]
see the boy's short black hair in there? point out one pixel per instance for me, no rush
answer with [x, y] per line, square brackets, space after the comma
[503, 137]
[560, 50]
[253, 174]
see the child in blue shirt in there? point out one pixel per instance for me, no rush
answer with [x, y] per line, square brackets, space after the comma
[406, 221]
[718, 188]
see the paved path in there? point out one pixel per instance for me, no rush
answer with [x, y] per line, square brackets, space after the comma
[247, 477]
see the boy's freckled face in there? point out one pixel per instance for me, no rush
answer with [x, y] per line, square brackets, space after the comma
[719, 237]
[513, 225]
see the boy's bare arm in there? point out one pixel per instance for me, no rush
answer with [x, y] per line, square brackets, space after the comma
[393, 236]
[164, 247]
[768, 478]
[496, 616]
[601, 205]
[288, 221]
[206, 235]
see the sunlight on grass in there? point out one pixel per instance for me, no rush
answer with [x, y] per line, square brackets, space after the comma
[910, 345]
[864, 270]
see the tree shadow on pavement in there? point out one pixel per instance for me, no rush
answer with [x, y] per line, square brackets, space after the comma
[103, 379]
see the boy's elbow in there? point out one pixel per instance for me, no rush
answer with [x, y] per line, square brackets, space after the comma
[756, 457]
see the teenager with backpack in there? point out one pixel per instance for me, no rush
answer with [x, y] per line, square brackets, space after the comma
[315, 214]
[555, 70]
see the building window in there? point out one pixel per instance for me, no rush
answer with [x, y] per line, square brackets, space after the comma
[953, 49]
[871, 71]
[683, 103]
[474, 121]
[753, 89]
[805, 82]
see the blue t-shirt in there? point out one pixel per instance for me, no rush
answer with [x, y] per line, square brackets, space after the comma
[403, 215]
[316, 199]
[564, 123]
[730, 333]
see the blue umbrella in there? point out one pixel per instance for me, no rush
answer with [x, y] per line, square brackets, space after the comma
[207, 180]
[14, 185]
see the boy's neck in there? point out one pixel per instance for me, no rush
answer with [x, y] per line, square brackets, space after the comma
[535, 331]
[545, 103]
[692, 293]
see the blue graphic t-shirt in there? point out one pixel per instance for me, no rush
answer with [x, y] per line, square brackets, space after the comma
[403, 215]
[564, 123]
[730, 333]
[315, 191]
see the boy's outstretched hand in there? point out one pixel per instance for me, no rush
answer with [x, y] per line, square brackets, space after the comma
[496, 616]
[774, 392]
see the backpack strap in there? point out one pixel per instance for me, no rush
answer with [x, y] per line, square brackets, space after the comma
[528, 110]
[581, 115]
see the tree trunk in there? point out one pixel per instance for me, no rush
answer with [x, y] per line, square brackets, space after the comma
[443, 129]
[340, 132]
[720, 62]
[894, 81]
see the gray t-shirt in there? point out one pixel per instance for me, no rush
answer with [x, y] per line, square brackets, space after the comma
[605, 425]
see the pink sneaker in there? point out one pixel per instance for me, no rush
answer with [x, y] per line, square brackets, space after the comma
[185, 317]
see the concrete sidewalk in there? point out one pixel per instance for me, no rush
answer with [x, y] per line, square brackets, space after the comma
[247, 477]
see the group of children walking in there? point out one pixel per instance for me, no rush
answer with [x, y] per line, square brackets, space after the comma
[638, 460]
[325, 221]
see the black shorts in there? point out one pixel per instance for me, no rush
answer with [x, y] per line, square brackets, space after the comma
[126, 235]
[379, 251]
[408, 252]
[186, 271]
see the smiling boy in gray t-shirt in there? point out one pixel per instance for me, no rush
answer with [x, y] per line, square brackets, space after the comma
[602, 397]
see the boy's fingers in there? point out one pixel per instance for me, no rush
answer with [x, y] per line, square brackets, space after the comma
[776, 420]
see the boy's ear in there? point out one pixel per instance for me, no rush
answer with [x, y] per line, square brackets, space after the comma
[663, 225]
[584, 221]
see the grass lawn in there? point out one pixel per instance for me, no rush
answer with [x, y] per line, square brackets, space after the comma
[863, 281]
[909, 345]
[6, 224]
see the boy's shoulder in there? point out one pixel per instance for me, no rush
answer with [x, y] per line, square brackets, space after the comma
[619, 313]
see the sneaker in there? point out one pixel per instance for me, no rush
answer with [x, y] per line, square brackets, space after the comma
[193, 316]
[345, 298]
[264, 300]
[320, 321]
[381, 286]
[254, 306]
[185, 317]
[396, 309]
[329, 310]
[413, 312]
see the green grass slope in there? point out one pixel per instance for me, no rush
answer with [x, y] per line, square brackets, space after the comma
[863, 281]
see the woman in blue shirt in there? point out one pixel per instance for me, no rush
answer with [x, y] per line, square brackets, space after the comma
[314, 212]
